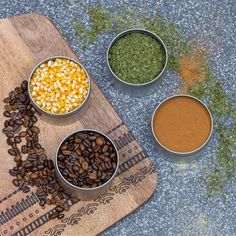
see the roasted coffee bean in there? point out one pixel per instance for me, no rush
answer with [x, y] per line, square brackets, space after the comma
[66, 152]
[26, 123]
[96, 148]
[29, 143]
[59, 209]
[6, 123]
[34, 175]
[16, 128]
[7, 130]
[53, 215]
[23, 134]
[23, 149]
[38, 146]
[42, 202]
[10, 135]
[82, 147]
[22, 172]
[17, 158]
[93, 175]
[24, 85]
[28, 165]
[7, 114]
[11, 122]
[26, 189]
[35, 129]
[92, 138]
[87, 143]
[29, 132]
[85, 165]
[12, 152]
[99, 141]
[86, 153]
[105, 148]
[7, 100]
[19, 122]
[9, 141]
[50, 164]
[13, 115]
[75, 168]
[15, 182]
[78, 140]
[17, 139]
[34, 119]
[48, 201]
[42, 195]
[40, 167]
[13, 172]
[22, 98]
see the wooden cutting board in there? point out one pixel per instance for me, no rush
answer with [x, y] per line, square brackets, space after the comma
[24, 41]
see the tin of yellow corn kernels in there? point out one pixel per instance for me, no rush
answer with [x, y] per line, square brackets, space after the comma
[79, 108]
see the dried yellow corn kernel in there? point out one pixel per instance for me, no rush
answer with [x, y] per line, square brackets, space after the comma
[59, 86]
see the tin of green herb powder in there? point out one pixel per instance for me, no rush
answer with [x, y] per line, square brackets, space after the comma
[137, 58]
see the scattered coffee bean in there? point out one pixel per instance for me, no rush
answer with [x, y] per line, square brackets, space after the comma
[26, 189]
[15, 182]
[7, 114]
[36, 169]
[12, 152]
[59, 209]
[17, 139]
[53, 215]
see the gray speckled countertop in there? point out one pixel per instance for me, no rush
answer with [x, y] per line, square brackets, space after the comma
[179, 206]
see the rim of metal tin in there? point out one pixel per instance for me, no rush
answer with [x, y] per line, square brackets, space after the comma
[143, 31]
[67, 113]
[182, 153]
[87, 189]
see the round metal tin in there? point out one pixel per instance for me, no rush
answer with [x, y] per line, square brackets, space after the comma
[84, 193]
[63, 114]
[137, 89]
[182, 156]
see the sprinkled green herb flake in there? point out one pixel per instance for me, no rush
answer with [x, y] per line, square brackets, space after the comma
[137, 58]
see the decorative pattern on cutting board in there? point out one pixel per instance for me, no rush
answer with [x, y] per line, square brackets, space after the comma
[24, 41]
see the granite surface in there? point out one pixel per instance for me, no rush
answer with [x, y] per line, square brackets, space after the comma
[179, 206]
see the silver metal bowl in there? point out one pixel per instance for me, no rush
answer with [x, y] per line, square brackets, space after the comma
[182, 156]
[80, 107]
[137, 89]
[84, 193]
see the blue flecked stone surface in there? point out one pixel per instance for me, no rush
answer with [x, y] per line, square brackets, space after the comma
[180, 205]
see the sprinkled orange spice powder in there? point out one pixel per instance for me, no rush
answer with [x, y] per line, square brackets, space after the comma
[192, 69]
[182, 124]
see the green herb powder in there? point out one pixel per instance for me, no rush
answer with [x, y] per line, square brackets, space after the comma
[137, 58]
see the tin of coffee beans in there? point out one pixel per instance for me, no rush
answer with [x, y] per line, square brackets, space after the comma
[86, 163]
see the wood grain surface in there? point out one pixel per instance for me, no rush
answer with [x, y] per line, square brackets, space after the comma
[24, 41]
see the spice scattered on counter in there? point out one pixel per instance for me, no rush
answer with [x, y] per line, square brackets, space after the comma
[223, 111]
[182, 124]
[137, 58]
[32, 166]
[87, 159]
[59, 86]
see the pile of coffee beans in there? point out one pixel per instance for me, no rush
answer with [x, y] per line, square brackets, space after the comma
[87, 159]
[32, 167]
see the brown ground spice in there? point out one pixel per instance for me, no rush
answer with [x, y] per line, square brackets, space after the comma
[192, 69]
